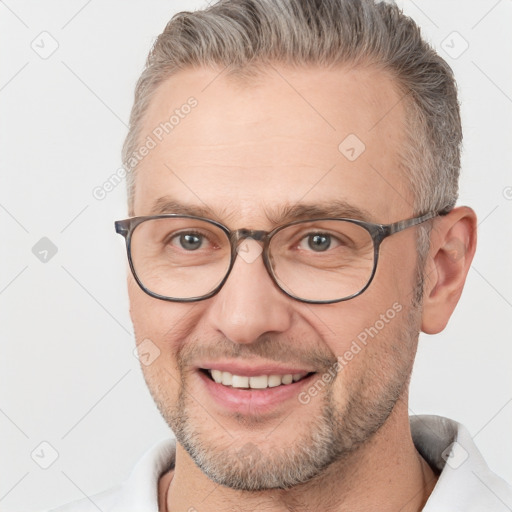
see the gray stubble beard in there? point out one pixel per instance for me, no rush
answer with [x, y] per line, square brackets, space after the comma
[332, 436]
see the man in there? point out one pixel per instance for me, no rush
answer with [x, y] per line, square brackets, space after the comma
[294, 169]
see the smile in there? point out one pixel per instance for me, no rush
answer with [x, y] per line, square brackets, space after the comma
[253, 387]
[255, 381]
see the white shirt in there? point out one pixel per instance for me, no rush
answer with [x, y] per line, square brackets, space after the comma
[465, 484]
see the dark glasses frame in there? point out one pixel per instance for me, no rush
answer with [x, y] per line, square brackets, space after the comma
[378, 232]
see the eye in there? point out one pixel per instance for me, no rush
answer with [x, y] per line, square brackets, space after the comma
[318, 242]
[189, 241]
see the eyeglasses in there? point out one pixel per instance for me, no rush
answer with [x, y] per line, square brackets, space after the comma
[184, 258]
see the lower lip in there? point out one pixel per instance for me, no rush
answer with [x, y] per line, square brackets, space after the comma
[252, 401]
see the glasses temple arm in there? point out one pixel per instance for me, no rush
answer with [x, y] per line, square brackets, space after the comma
[404, 224]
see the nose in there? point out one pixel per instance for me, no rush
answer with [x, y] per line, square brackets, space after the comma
[249, 304]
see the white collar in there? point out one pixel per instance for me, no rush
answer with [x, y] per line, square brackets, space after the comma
[465, 484]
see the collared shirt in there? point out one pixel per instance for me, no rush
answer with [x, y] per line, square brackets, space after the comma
[465, 482]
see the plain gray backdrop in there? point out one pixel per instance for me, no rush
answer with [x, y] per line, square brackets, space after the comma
[72, 397]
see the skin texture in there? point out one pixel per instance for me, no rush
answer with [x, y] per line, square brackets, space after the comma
[246, 150]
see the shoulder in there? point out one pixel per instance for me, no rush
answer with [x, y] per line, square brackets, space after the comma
[465, 482]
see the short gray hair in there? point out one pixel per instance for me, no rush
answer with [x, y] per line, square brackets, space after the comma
[245, 35]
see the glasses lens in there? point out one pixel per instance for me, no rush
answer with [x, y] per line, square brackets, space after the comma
[322, 260]
[178, 257]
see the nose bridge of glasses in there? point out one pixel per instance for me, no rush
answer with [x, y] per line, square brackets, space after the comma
[242, 234]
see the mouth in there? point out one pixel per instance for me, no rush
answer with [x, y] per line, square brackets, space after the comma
[253, 388]
[252, 382]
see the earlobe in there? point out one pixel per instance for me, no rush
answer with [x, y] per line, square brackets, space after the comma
[452, 247]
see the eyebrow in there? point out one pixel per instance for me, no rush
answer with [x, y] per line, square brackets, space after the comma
[281, 214]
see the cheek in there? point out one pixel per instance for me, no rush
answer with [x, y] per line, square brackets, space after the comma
[143, 309]
[160, 323]
[158, 335]
[368, 328]
[396, 271]
[376, 356]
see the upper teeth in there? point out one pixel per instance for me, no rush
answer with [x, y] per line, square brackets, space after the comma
[256, 382]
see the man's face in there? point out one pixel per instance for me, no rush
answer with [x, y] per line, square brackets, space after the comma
[241, 152]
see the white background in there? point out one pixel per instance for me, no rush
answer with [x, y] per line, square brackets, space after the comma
[67, 372]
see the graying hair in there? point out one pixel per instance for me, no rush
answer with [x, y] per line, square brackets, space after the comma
[245, 35]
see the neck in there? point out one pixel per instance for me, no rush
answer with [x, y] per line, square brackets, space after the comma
[386, 474]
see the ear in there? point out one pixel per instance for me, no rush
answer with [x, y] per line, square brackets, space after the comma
[452, 247]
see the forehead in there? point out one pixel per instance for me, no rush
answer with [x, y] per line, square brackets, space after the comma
[288, 135]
